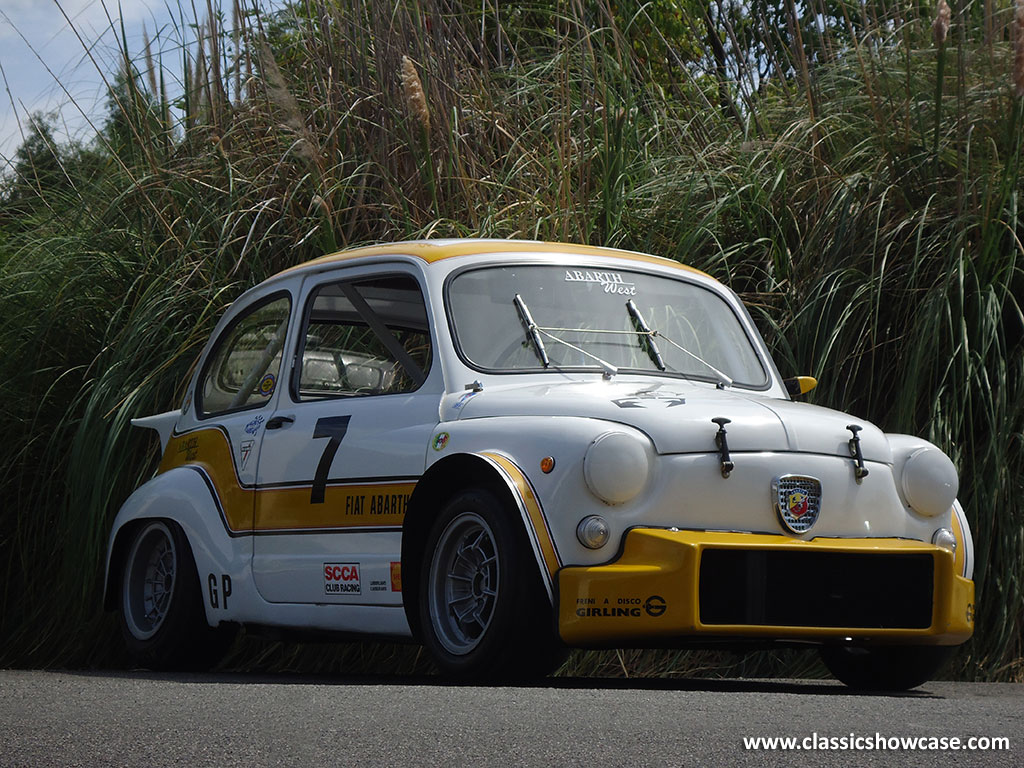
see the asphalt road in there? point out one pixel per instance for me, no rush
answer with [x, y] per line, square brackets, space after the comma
[142, 719]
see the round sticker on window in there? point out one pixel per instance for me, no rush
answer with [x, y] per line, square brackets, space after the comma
[267, 384]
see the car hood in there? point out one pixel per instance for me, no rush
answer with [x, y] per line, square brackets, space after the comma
[677, 416]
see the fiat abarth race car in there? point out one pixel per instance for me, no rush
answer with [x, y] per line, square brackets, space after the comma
[503, 449]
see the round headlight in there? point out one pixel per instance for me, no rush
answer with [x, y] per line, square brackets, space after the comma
[930, 482]
[616, 467]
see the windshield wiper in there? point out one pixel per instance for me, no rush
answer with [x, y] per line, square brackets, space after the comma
[723, 380]
[646, 335]
[532, 333]
[645, 332]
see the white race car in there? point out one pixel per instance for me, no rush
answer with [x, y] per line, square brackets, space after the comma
[502, 449]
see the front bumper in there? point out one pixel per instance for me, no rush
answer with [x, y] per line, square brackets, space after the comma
[686, 585]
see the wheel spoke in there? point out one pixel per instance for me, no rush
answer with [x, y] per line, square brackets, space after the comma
[468, 612]
[462, 554]
[475, 544]
[462, 599]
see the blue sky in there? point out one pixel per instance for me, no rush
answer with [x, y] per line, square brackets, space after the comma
[35, 36]
[38, 48]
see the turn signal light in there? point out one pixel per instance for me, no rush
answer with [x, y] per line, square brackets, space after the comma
[592, 532]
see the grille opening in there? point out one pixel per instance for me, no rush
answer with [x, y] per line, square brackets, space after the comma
[816, 589]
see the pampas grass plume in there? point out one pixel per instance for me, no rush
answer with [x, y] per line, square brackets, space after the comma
[414, 95]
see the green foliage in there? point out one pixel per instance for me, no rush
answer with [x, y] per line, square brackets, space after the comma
[862, 198]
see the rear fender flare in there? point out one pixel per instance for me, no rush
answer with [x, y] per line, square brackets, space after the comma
[187, 497]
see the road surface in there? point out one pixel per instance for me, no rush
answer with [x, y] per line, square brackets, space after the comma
[152, 720]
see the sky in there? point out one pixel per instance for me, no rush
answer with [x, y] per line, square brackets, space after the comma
[39, 48]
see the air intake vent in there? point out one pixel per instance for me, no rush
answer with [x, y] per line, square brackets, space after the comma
[816, 589]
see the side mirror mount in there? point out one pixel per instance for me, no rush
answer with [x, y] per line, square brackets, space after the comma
[800, 385]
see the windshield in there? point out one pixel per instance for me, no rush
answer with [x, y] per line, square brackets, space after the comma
[580, 306]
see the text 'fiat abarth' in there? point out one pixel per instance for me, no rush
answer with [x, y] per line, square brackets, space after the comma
[504, 449]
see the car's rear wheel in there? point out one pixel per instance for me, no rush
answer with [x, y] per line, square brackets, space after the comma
[885, 668]
[482, 607]
[162, 616]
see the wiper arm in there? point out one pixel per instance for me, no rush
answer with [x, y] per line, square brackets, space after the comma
[531, 329]
[644, 332]
[646, 335]
[723, 380]
[609, 369]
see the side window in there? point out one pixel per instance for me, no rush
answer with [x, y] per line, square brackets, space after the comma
[364, 337]
[243, 368]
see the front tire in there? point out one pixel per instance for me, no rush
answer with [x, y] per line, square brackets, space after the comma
[163, 619]
[482, 606]
[885, 668]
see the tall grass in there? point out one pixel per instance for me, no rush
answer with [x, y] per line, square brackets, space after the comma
[861, 193]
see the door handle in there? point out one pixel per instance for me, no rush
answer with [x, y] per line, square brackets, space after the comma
[279, 421]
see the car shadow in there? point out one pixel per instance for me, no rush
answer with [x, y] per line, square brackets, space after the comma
[712, 685]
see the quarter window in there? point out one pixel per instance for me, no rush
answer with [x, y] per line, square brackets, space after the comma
[365, 337]
[243, 369]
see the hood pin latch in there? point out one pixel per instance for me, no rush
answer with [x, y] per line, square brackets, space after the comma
[859, 470]
[723, 445]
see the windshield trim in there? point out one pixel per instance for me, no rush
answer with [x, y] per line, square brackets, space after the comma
[767, 365]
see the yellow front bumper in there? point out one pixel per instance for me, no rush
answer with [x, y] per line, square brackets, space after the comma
[651, 594]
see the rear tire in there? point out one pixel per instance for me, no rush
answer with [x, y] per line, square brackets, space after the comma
[483, 608]
[163, 619]
[885, 668]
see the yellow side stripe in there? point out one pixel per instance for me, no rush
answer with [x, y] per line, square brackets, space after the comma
[351, 505]
[533, 510]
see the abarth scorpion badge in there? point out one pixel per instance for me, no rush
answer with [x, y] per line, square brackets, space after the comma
[797, 501]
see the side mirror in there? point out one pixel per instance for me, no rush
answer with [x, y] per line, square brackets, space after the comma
[800, 385]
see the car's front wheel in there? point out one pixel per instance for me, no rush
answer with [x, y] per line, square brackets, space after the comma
[482, 607]
[162, 616]
[885, 668]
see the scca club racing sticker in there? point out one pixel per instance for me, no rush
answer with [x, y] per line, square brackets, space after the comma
[342, 579]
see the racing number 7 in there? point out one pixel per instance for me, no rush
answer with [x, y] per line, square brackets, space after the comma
[335, 428]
